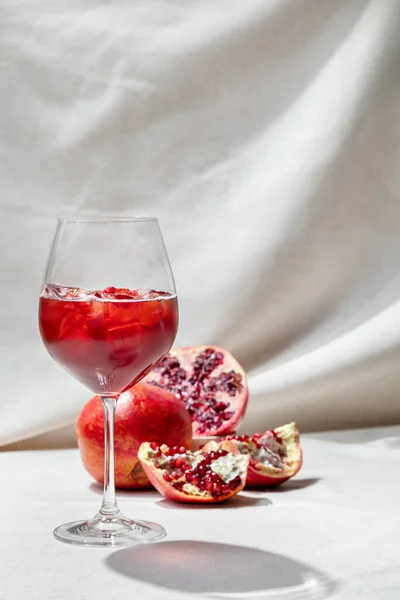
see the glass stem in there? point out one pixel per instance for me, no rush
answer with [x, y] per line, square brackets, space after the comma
[109, 507]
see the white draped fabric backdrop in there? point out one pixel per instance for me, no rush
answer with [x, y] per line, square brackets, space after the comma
[265, 136]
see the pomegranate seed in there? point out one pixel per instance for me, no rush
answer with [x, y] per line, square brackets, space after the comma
[167, 476]
[177, 485]
[208, 485]
[153, 446]
[227, 415]
[216, 488]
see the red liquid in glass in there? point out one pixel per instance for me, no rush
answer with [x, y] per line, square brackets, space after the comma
[108, 340]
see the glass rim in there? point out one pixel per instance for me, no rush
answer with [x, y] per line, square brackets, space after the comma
[106, 219]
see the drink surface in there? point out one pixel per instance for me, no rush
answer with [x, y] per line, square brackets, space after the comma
[107, 339]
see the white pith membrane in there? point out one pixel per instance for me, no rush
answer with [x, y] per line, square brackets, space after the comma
[272, 455]
[227, 467]
[289, 434]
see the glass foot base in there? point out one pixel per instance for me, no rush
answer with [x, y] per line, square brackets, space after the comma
[109, 532]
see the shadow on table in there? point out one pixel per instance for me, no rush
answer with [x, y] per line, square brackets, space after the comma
[252, 497]
[239, 501]
[293, 484]
[222, 571]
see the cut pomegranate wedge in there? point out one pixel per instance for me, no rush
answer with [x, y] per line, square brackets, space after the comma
[210, 382]
[275, 455]
[212, 474]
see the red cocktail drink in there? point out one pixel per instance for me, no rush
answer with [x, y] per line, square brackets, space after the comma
[107, 339]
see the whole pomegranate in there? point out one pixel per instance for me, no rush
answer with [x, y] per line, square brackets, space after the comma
[143, 413]
[210, 382]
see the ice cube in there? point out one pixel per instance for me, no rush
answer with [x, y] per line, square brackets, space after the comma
[59, 292]
[152, 312]
[154, 294]
[73, 326]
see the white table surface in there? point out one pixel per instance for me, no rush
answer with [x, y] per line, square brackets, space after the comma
[333, 532]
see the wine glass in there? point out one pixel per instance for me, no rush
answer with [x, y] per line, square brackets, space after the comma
[108, 313]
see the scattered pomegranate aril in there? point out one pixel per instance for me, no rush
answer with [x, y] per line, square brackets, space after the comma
[275, 455]
[210, 382]
[212, 474]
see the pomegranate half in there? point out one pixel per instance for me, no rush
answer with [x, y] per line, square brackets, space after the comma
[212, 474]
[275, 455]
[210, 382]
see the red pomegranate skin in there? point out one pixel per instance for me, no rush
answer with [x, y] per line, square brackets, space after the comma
[143, 413]
[257, 479]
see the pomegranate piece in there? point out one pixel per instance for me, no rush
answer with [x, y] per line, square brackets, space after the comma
[275, 455]
[210, 475]
[210, 382]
